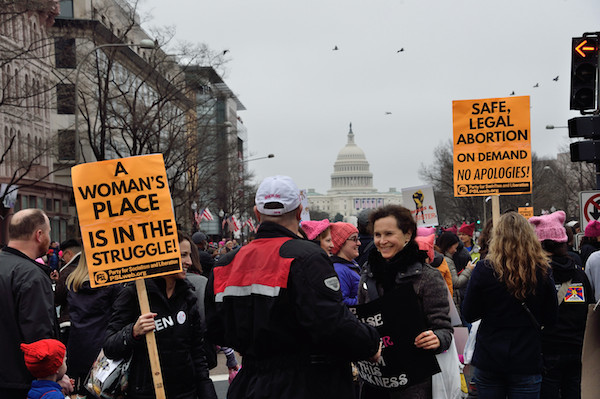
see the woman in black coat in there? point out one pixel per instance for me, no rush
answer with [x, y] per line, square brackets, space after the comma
[89, 312]
[175, 319]
[513, 294]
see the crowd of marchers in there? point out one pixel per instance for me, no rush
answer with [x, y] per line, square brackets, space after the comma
[314, 309]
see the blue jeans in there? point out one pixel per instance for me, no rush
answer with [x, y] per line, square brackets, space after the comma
[492, 385]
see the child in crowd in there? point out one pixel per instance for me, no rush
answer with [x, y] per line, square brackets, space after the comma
[45, 359]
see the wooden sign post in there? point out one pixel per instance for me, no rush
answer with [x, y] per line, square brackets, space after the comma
[159, 388]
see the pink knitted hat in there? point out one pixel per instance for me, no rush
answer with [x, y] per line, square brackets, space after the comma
[426, 244]
[425, 231]
[340, 231]
[550, 227]
[592, 229]
[313, 228]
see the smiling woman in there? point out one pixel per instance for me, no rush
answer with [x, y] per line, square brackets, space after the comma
[397, 269]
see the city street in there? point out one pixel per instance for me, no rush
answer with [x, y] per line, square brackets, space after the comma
[220, 375]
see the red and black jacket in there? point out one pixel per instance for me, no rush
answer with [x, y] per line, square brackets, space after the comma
[280, 296]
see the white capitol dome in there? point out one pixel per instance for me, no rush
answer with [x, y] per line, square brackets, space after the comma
[351, 170]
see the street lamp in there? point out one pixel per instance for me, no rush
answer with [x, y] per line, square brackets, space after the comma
[144, 43]
[256, 159]
[550, 127]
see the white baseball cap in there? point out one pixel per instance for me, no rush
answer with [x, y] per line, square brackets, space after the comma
[277, 195]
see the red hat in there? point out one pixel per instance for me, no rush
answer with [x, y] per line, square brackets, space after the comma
[467, 229]
[340, 231]
[44, 357]
[451, 229]
[313, 228]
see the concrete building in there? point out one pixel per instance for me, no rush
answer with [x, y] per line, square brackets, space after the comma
[116, 97]
[27, 150]
[223, 147]
[351, 186]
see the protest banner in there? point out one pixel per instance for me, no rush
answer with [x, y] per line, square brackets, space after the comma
[401, 364]
[424, 211]
[128, 228]
[492, 146]
[126, 219]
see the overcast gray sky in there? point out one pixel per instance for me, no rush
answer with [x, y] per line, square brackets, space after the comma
[301, 95]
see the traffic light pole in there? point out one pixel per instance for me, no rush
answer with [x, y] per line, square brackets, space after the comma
[585, 98]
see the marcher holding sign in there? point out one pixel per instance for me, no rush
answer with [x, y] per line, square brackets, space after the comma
[492, 146]
[175, 319]
[407, 301]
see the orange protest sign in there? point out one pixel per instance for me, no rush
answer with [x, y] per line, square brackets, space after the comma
[126, 219]
[492, 146]
[525, 211]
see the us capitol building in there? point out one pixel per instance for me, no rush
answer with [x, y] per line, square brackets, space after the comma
[351, 186]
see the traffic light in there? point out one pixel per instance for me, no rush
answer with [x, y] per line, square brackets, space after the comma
[584, 73]
[585, 126]
[585, 151]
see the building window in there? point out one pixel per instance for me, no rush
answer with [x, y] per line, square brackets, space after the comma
[66, 8]
[66, 145]
[65, 98]
[65, 53]
[49, 205]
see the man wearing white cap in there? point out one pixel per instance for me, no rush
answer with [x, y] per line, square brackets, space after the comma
[277, 301]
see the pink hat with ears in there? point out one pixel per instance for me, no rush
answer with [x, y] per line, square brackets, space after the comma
[592, 229]
[451, 229]
[425, 231]
[313, 228]
[550, 227]
[426, 244]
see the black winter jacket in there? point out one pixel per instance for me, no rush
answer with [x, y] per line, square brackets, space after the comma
[277, 301]
[507, 338]
[27, 314]
[178, 338]
[90, 310]
[566, 336]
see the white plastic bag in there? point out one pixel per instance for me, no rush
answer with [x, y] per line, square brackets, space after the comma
[446, 384]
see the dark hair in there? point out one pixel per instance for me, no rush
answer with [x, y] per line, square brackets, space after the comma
[485, 237]
[363, 221]
[194, 254]
[71, 243]
[404, 218]
[24, 223]
[446, 240]
[555, 247]
[569, 230]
